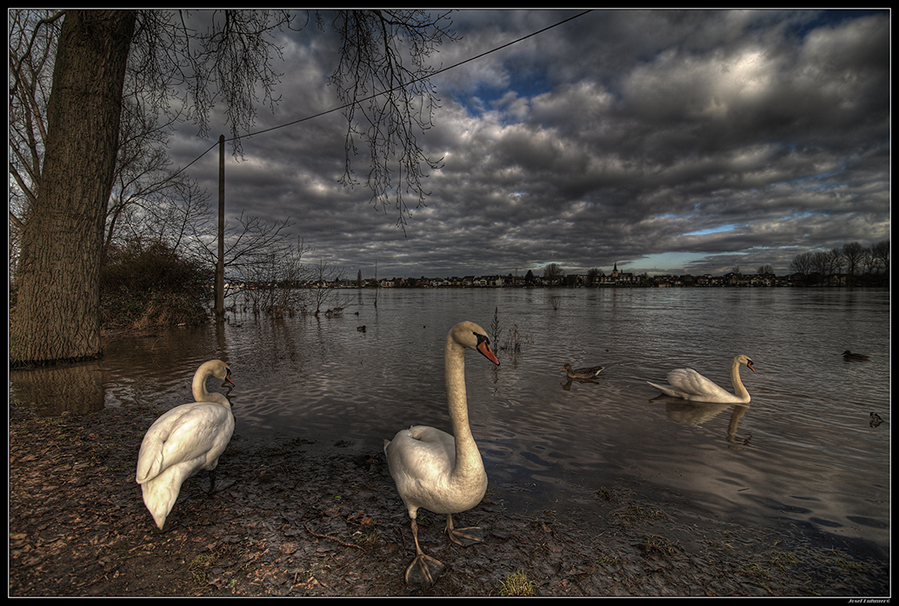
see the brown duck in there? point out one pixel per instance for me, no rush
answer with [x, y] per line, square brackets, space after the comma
[582, 373]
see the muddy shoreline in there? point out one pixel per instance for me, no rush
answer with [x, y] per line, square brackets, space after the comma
[301, 518]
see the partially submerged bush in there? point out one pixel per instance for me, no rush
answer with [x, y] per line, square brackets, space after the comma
[152, 287]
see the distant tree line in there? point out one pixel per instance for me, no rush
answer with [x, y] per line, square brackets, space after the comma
[850, 265]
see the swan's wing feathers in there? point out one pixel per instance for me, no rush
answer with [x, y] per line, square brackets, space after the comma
[666, 389]
[203, 432]
[149, 461]
[200, 430]
[420, 453]
[689, 381]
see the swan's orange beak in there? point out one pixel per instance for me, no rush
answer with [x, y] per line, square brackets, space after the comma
[228, 381]
[484, 348]
[749, 365]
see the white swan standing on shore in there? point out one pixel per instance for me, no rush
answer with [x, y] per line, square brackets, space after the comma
[440, 472]
[688, 384]
[183, 441]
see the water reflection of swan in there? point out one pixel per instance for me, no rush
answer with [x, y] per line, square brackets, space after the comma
[735, 416]
[435, 470]
[582, 373]
[183, 441]
[688, 384]
[692, 414]
[695, 414]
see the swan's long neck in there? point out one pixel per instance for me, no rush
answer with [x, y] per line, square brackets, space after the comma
[199, 389]
[739, 389]
[468, 459]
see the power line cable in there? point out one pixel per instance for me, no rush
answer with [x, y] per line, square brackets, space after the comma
[346, 105]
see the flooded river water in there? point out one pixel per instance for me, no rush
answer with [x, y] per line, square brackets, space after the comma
[803, 452]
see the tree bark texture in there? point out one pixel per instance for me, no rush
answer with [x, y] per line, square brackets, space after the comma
[57, 312]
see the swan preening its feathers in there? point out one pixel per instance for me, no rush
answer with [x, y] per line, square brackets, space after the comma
[688, 384]
[437, 471]
[184, 441]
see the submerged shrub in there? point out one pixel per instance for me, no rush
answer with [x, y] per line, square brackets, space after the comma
[152, 287]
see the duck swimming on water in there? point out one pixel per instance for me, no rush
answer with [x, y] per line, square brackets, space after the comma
[582, 373]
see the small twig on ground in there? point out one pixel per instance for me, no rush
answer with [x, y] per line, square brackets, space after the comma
[325, 536]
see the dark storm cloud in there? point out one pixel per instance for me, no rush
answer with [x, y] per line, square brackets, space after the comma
[732, 137]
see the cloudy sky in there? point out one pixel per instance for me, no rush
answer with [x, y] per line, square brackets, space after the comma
[663, 141]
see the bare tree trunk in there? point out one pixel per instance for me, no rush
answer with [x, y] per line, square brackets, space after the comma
[57, 314]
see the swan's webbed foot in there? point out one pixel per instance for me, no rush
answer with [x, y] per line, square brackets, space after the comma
[424, 570]
[467, 536]
[464, 536]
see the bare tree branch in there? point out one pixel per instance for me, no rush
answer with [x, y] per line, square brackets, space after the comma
[396, 101]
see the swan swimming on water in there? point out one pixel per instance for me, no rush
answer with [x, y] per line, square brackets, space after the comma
[184, 441]
[440, 472]
[688, 384]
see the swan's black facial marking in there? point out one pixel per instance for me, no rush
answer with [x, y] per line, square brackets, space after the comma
[228, 382]
[483, 347]
[749, 365]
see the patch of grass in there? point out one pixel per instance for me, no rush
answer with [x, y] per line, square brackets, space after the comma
[517, 585]
[198, 567]
[782, 559]
[367, 539]
[755, 570]
[853, 566]
[545, 521]
[605, 494]
[608, 560]
[613, 495]
[656, 545]
[637, 513]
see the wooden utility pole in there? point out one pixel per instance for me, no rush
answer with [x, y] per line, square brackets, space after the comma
[220, 262]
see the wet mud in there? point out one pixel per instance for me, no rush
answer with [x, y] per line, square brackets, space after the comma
[303, 518]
